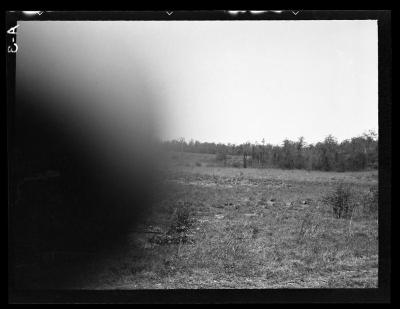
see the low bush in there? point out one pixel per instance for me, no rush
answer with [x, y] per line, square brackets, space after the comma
[181, 221]
[179, 227]
[340, 199]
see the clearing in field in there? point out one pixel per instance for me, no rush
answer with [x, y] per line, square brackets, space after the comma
[219, 227]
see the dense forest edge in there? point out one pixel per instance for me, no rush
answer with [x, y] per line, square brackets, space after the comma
[355, 154]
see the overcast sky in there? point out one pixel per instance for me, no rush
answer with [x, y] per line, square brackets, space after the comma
[218, 81]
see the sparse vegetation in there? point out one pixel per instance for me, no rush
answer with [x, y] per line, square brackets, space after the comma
[179, 227]
[371, 201]
[340, 199]
[221, 227]
[182, 220]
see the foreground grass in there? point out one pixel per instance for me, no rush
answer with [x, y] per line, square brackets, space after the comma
[239, 239]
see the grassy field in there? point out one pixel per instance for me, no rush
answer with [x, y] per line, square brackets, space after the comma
[225, 227]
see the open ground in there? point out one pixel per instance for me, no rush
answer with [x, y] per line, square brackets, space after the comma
[225, 227]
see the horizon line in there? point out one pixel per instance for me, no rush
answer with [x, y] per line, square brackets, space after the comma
[259, 142]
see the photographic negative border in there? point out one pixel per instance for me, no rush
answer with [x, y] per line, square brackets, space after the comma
[381, 294]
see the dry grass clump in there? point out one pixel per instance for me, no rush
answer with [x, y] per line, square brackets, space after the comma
[340, 199]
[371, 201]
[309, 227]
[178, 230]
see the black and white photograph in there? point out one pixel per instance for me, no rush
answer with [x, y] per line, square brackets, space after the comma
[239, 150]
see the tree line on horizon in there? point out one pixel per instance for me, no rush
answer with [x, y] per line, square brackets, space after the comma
[355, 154]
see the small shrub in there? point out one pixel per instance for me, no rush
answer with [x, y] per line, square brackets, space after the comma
[198, 164]
[178, 231]
[181, 223]
[340, 201]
